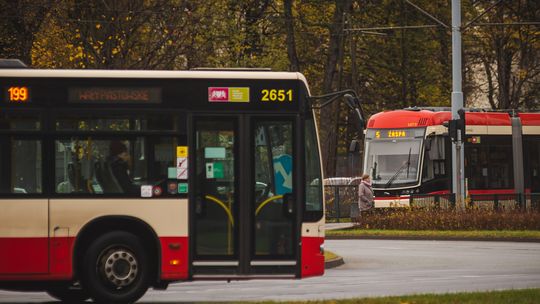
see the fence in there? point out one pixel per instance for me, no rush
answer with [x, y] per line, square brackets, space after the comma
[433, 201]
[340, 197]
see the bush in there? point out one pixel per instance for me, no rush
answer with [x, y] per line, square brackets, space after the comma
[440, 219]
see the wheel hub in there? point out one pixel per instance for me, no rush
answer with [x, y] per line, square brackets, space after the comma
[119, 267]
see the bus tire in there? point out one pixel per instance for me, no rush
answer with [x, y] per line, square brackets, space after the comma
[115, 268]
[68, 293]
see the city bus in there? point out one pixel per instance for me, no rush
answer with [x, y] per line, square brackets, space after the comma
[409, 153]
[113, 182]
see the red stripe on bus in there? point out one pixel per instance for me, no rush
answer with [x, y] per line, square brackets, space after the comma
[174, 258]
[312, 257]
[28, 258]
[19, 256]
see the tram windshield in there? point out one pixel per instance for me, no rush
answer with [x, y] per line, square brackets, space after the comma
[393, 159]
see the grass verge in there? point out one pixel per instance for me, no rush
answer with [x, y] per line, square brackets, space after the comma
[523, 296]
[460, 234]
[329, 255]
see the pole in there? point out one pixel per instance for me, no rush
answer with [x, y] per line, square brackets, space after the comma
[457, 103]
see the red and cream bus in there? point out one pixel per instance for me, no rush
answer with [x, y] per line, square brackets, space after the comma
[112, 182]
[408, 152]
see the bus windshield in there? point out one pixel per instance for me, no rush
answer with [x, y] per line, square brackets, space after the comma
[393, 163]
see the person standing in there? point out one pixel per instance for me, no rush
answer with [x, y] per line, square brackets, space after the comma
[365, 195]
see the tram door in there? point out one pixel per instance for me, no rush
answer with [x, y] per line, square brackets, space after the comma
[243, 202]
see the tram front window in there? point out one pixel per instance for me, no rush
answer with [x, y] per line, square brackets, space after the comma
[393, 162]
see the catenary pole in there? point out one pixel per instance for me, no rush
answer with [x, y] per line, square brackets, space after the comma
[458, 180]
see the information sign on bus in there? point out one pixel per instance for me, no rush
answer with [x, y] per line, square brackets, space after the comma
[112, 95]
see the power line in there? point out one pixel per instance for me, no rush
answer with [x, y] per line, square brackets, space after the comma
[384, 28]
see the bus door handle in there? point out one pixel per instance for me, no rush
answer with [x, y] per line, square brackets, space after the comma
[288, 204]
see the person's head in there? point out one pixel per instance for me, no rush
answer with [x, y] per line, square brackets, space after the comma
[117, 148]
[365, 178]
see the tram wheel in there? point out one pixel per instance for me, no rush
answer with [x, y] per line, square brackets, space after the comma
[116, 268]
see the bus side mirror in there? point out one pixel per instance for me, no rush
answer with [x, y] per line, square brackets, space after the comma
[354, 146]
[354, 104]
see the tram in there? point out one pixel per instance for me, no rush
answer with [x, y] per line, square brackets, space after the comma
[408, 152]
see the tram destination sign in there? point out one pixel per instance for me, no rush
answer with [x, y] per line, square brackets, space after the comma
[114, 95]
[400, 133]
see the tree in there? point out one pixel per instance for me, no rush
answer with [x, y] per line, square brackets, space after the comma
[508, 55]
[117, 35]
[20, 21]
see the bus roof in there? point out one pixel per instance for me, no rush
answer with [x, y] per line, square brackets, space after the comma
[424, 118]
[36, 73]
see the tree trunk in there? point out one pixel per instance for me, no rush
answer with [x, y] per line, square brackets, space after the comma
[330, 114]
[291, 42]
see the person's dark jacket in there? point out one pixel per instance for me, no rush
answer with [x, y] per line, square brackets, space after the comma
[120, 171]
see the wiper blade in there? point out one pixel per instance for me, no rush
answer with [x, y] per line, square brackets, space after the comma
[398, 172]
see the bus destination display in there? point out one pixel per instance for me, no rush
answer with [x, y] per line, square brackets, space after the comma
[116, 95]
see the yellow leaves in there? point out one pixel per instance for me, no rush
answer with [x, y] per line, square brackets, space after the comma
[169, 42]
[115, 51]
[98, 26]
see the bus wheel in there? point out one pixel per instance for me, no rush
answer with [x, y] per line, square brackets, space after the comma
[116, 268]
[70, 293]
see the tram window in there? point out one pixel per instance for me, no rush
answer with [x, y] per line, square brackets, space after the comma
[20, 167]
[489, 164]
[433, 158]
[532, 168]
[113, 166]
[147, 123]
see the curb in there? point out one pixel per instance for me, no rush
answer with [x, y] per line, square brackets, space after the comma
[369, 237]
[333, 263]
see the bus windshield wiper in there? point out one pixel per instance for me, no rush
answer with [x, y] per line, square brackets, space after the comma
[398, 172]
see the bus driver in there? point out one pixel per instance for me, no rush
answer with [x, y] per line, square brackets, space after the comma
[120, 163]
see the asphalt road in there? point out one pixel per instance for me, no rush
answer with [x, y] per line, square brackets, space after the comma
[373, 268]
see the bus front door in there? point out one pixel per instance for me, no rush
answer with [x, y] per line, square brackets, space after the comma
[243, 202]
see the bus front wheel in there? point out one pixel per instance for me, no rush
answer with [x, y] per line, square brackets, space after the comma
[115, 268]
[70, 293]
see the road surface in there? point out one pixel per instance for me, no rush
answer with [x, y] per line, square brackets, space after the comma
[373, 268]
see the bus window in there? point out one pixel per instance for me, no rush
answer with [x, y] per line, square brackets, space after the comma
[20, 166]
[313, 172]
[147, 123]
[11, 122]
[273, 180]
[98, 166]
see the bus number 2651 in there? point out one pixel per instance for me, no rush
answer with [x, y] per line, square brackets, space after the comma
[277, 95]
